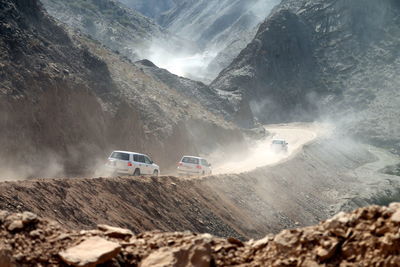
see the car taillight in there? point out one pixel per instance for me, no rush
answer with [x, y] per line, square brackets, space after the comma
[198, 167]
[130, 164]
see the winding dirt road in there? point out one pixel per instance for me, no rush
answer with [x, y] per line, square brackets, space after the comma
[260, 155]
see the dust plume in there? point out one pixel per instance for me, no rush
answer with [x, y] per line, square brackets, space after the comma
[261, 154]
[185, 63]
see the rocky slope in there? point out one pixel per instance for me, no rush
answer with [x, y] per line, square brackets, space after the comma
[119, 28]
[67, 101]
[45, 81]
[311, 58]
[220, 28]
[365, 237]
[198, 91]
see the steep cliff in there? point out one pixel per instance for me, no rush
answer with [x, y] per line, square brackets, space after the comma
[312, 59]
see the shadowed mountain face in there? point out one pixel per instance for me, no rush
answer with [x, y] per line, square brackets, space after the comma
[277, 71]
[311, 58]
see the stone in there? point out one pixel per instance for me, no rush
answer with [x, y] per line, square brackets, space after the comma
[262, 242]
[396, 216]
[338, 220]
[285, 239]
[327, 253]
[190, 256]
[35, 233]
[394, 206]
[29, 217]
[15, 225]
[310, 263]
[92, 251]
[115, 232]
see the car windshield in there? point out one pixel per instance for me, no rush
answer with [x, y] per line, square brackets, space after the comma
[278, 142]
[119, 155]
[190, 160]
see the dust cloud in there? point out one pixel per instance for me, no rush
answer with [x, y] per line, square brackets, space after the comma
[260, 154]
[185, 63]
[46, 165]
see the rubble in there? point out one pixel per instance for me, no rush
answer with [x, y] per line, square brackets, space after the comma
[365, 237]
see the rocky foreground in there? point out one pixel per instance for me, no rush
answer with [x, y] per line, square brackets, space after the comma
[366, 237]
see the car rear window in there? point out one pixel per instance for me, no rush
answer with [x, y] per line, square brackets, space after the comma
[190, 160]
[278, 142]
[119, 155]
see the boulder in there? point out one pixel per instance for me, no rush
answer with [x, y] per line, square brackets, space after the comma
[92, 251]
[115, 232]
[198, 255]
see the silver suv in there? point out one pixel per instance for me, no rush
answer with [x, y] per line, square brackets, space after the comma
[197, 166]
[132, 163]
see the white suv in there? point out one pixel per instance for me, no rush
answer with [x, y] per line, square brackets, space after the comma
[279, 145]
[132, 163]
[194, 166]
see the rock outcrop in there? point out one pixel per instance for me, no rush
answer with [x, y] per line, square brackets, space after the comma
[312, 59]
[366, 237]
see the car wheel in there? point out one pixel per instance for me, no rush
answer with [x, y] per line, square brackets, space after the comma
[136, 172]
[155, 173]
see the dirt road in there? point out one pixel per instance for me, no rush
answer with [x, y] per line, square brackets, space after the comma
[260, 155]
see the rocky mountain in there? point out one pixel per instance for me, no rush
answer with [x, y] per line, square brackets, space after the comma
[221, 28]
[111, 23]
[67, 101]
[312, 58]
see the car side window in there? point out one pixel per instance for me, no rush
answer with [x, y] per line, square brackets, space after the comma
[136, 158]
[141, 159]
[148, 161]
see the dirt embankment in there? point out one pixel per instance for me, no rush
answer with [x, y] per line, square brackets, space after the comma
[365, 237]
[317, 183]
[140, 204]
